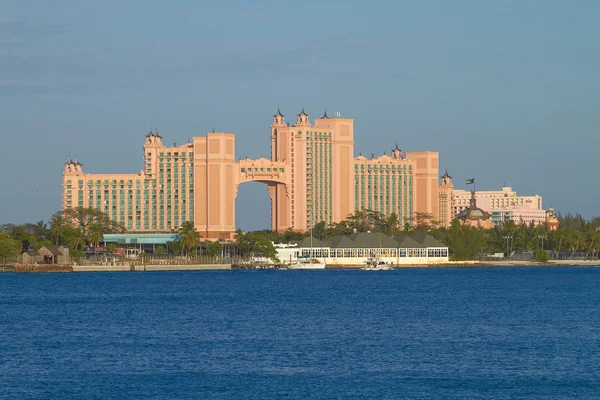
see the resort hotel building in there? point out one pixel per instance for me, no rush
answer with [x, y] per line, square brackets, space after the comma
[312, 175]
[502, 206]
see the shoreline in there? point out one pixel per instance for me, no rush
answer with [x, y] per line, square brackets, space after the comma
[41, 268]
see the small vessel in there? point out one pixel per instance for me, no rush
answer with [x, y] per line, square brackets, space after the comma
[376, 264]
[306, 263]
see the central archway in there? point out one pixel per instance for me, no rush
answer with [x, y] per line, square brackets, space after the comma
[253, 207]
[273, 174]
[217, 178]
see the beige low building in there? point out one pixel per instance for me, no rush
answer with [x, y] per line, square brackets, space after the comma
[46, 255]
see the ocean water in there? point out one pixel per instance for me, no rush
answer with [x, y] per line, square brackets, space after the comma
[438, 333]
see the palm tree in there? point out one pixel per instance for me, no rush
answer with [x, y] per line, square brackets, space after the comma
[77, 241]
[95, 235]
[58, 225]
[392, 224]
[559, 237]
[574, 241]
[41, 230]
[189, 238]
[592, 242]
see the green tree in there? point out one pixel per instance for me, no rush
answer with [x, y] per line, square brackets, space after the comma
[58, 225]
[557, 239]
[424, 223]
[22, 233]
[41, 231]
[392, 224]
[189, 238]
[43, 243]
[213, 249]
[9, 247]
[160, 250]
[475, 242]
[95, 235]
[575, 241]
[465, 242]
[254, 244]
[291, 235]
[85, 218]
[174, 247]
[110, 248]
[591, 241]
[540, 255]
[572, 222]
[75, 239]
[336, 229]
[358, 221]
[319, 230]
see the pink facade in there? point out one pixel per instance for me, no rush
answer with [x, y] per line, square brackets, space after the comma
[426, 181]
[312, 177]
[504, 205]
[386, 184]
[446, 212]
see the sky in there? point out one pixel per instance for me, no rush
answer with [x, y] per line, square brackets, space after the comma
[506, 91]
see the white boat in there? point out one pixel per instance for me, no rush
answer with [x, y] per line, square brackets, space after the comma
[306, 264]
[376, 264]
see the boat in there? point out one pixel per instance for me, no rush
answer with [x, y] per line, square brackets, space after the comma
[376, 264]
[306, 262]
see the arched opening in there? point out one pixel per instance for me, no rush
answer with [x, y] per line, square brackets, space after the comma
[253, 207]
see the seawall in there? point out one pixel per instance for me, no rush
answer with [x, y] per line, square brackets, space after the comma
[113, 268]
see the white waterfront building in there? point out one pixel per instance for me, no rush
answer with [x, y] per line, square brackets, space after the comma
[357, 248]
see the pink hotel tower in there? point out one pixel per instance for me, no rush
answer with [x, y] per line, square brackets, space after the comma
[312, 176]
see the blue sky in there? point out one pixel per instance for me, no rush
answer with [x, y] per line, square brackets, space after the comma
[506, 91]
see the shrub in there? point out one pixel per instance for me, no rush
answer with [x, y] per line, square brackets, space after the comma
[540, 255]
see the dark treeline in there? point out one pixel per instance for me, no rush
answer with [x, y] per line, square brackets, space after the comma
[83, 228]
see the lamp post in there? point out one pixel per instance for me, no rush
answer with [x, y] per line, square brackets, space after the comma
[542, 237]
[507, 238]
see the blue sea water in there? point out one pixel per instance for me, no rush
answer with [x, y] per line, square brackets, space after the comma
[464, 333]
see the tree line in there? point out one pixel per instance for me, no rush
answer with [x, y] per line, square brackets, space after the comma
[574, 235]
[76, 228]
[84, 228]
